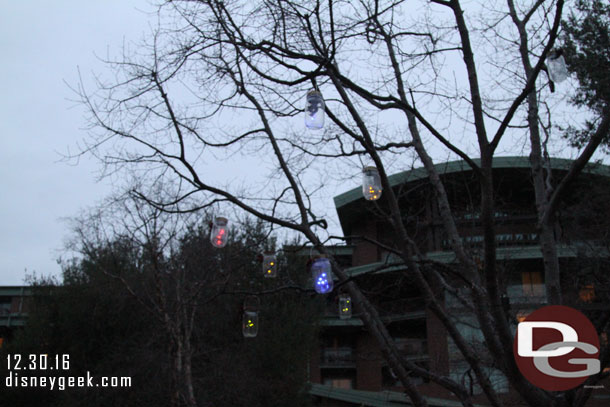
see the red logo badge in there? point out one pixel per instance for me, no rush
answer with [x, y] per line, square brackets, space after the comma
[557, 348]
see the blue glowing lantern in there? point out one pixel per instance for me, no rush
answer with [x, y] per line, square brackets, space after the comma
[220, 232]
[269, 265]
[345, 306]
[322, 276]
[314, 110]
[249, 326]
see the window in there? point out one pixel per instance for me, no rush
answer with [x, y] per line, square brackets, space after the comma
[532, 284]
[412, 346]
[462, 373]
[339, 378]
[521, 315]
[340, 383]
[5, 305]
[338, 356]
[587, 293]
[390, 379]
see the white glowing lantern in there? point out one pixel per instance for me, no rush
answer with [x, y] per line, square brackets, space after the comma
[314, 110]
[322, 276]
[558, 72]
[371, 184]
[220, 232]
[249, 326]
[345, 306]
[270, 265]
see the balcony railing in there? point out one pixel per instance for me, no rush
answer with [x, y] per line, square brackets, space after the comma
[401, 306]
[528, 294]
[412, 349]
[503, 239]
[512, 216]
[517, 294]
[389, 310]
[338, 357]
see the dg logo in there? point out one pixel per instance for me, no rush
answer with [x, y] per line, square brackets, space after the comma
[557, 348]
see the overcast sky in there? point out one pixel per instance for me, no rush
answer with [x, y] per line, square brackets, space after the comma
[41, 45]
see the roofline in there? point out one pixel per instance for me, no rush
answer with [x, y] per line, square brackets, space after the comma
[461, 166]
[375, 398]
[338, 250]
[503, 253]
[355, 320]
[15, 290]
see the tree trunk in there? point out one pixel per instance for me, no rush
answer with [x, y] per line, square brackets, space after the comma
[188, 375]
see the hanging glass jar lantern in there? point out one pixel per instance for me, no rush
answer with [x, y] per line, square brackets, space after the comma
[269, 265]
[321, 274]
[345, 306]
[556, 64]
[249, 325]
[220, 232]
[314, 110]
[371, 184]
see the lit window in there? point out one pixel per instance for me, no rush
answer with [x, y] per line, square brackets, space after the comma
[587, 293]
[532, 283]
[339, 383]
[521, 315]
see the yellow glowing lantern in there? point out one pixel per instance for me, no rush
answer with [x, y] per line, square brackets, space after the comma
[345, 306]
[249, 325]
[269, 265]
[371, 184]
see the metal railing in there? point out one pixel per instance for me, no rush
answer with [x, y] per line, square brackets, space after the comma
[338, 357]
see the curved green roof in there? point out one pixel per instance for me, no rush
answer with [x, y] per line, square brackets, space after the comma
[384, 398]
[461, 166]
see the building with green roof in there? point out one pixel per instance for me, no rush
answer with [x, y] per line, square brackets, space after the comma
[349, 369]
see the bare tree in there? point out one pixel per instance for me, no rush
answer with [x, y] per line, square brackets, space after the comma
[172, 292]
[224, 81]
[189, 298]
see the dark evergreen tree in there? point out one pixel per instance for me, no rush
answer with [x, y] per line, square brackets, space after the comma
[101, 317]
[587, 52]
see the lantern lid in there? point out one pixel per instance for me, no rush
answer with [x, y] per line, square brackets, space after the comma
[251, 303]
[556, 53]
[314, 92]
[221, 218]
[370, 168]
[318, 259]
